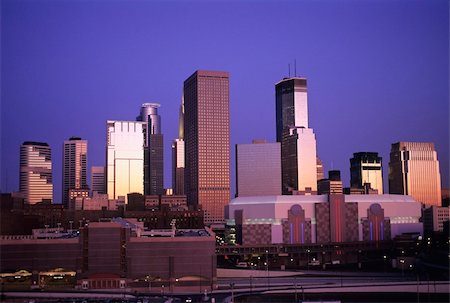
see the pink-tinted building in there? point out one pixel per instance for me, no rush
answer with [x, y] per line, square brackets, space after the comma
[258, 169]
[322, 218]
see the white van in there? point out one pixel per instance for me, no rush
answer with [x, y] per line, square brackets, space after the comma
[242, 265]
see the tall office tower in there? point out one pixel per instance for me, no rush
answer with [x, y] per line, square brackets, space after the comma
[291, 104]
[366, 167]
[207, 140]
[178, 161]
[36, 183]
[298, 144]
[298, 161]
[414, 171]
[153, 149]
[178, 167]
[124, 158]
[98, 179]
[74, 166]
[258, 169]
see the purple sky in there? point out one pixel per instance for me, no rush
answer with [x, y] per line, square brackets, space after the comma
[378, 71]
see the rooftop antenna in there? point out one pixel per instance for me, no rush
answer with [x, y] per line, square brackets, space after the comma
[295, 67]
[289, 69]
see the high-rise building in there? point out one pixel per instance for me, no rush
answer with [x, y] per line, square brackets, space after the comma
[298, 161]
[207, 142]
[36, 183]
[98, 179]
[291, 104]
[366, 167]
[258, 169]
[414, 171]
[178, 166]
[298, 144]
[74, 166]
[153, 149]
[332, 185]
[178, 161]
[124, 158]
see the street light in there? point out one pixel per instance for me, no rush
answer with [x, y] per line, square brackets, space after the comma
[232, 292]
[267, 269]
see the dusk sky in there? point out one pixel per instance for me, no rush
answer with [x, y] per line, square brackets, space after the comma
[378, 72]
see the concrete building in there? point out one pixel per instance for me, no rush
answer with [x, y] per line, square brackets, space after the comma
[322, 218]
[434, 218]
[119, 254]
[125, 158]
[74, 167]
[36, 182]
[153, 149]
[414, 171]
[207, 142]
[98, 179]
[258, 169]
[366, 167]
[298, 143]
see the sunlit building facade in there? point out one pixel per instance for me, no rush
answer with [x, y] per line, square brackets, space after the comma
[414, 171]
[258, 169]
[36, 182]
[298, 161]
[366, 167]
[299, 167]
[207, 142]
[74, 167]
[125, 158]
[178, 156]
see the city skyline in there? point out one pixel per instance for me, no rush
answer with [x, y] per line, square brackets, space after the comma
[359, 100]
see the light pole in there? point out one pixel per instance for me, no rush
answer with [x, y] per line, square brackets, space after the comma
[232, 292]
[295, 285]
[307, 257]
[70, 222]
[267, 269]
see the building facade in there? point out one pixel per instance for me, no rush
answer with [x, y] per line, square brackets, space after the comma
[258, 169]
[434, 218]
[124, 158]
[322, 218]
[299, 168]
[36, 182]
[366, 167]
[298, 161]
[178, 166]
[153, 149]
[207, 142]
[106, 252]
[414, 171]
[98, 179]
[74, 167]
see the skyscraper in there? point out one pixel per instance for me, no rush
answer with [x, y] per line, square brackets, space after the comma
[207, 141]
[414, 171]
[366, 167]
[124, 158]
[36, 183]
[74, 166]
[291, 104]
[258, 169]
[153, 149]
[98, 179]
[178, 151]
[298, 161]
[298, 144]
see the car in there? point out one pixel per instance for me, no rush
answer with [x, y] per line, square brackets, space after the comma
[242, 265]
